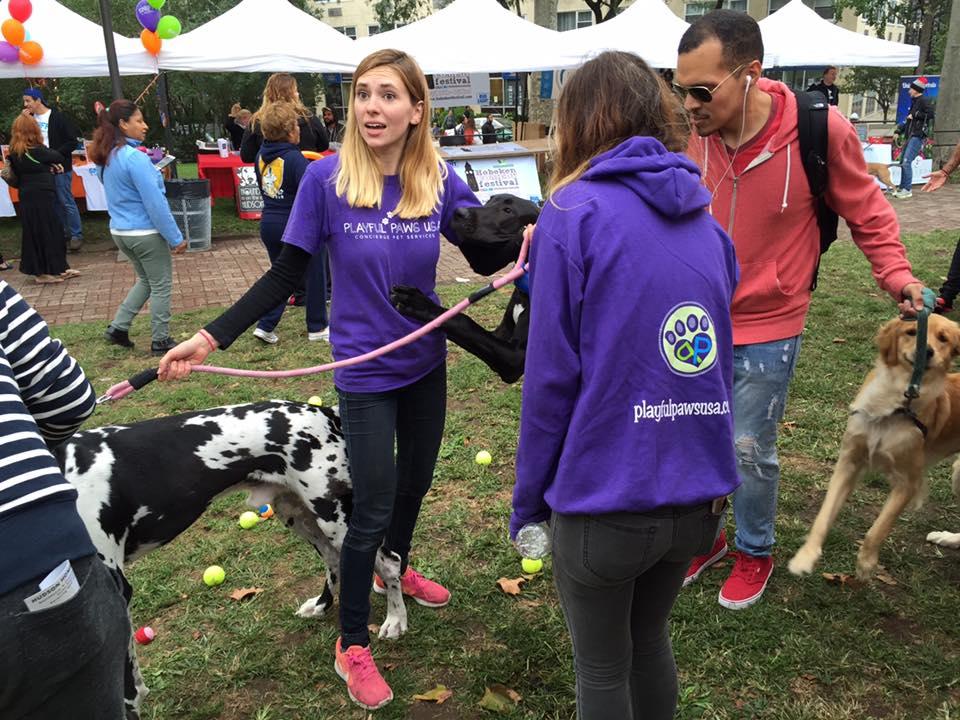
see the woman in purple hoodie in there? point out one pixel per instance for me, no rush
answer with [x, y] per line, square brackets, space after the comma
[626, 436]
[379, 207]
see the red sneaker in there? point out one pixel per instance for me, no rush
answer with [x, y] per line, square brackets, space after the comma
[413, 584]
[365, 685]
[942, 307]
[747, 581]
[702, 562]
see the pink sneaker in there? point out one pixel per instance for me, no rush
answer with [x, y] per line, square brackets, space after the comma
[365, 685]
[413, 584]
[747, 581]
[702, 562]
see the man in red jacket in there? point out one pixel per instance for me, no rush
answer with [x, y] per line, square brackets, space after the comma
[746, 143]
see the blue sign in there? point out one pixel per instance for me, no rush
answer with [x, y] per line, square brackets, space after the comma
[546, 84]
[903, 97]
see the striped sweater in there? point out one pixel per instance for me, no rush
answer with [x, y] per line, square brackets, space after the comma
[44, 397]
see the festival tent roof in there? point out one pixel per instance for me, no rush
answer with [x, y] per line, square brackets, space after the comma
[795, 36]
[261, 36]
[476, 36]
[74, 47]
[647, 28]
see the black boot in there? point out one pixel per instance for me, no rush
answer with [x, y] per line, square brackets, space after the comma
[117, 337]
[159, 348]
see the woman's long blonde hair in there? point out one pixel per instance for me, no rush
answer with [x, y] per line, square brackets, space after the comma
[359, 177]
[281, 87]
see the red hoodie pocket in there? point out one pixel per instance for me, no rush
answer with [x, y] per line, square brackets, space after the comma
[759, 290]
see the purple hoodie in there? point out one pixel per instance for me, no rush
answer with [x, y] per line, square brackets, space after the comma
[628, 380]
[370, 252]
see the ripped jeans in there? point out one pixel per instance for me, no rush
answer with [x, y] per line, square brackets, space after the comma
[761, 377]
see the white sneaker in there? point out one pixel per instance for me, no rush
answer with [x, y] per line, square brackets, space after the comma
[902, 194]
[323, 335]
[271, 338]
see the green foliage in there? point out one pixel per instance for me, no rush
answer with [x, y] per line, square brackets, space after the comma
[392, 14]
[603, 9]
[882, 83]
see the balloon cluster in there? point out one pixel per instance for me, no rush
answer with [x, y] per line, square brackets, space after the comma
[156, 29]
[16, 44]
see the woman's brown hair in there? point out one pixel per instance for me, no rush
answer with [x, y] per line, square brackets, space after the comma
[108, 134]
[278, 121]
[280, 87]
[611, 98]
[24, 134]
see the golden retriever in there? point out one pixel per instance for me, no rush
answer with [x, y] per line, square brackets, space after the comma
[881, 171]
[880, 436]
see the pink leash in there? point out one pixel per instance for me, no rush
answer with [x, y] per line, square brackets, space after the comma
[136, 382]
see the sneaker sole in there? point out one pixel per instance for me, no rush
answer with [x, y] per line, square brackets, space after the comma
[343, 676]
[383, 591]
[706, 566]
[742, 604]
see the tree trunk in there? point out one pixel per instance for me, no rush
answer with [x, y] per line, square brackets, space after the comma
[947, 128]
[926, 34]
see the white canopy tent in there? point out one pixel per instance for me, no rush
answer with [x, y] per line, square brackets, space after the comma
[647, 28]
[795, 36]
[261, 36]
[443, 42]
[74, 47]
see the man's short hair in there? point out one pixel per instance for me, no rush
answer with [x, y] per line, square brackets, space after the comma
[738, 33]
[827, 69]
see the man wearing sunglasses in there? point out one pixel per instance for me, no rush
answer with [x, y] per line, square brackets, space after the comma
[745, 141]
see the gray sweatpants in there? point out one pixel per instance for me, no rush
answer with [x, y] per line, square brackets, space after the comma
[151, 260]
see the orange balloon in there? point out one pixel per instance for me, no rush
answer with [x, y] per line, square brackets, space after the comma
[31, 53]
[13, 31]
[151, 41]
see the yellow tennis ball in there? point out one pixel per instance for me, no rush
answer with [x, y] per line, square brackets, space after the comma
[315, 400]
[531, 565]
[483, 458]
[214, 575]
[249, 519]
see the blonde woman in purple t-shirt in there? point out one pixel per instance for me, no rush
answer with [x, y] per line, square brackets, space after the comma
[379, 208]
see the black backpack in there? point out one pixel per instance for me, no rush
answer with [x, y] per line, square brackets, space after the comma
[812, 114]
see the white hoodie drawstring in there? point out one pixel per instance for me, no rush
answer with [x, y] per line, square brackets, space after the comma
[786, 183]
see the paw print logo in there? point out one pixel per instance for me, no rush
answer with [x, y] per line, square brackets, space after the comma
[688, 340]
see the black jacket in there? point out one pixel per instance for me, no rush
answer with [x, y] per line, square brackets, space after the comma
[921, 115]
[313, 136]
[830, 92]
[234, 130]
[62, 135]
[489, 132]
[34, 172]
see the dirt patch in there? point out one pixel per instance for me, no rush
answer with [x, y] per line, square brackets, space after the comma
[903, 630]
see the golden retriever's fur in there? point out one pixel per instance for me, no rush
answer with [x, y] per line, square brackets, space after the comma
[881, 171]
[878, 437]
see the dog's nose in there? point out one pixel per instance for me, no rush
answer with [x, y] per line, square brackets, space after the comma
[929, 353]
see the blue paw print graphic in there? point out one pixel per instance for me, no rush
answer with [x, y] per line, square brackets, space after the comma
[688, 340]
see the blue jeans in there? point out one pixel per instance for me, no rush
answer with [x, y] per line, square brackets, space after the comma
[67, 210]
[271, 235]
[761, 377]
[909, 154]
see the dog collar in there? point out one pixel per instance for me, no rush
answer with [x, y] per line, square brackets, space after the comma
[903, 410]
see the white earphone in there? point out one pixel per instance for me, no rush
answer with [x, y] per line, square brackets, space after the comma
[749, 80]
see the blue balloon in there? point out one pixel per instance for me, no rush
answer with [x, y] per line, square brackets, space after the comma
[147, 16]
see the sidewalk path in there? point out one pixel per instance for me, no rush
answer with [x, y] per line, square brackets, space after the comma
[221, 275]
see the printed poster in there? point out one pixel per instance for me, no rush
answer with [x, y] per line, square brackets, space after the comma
[493, 176]
[454, 89]
[903, 98]
[249, 199]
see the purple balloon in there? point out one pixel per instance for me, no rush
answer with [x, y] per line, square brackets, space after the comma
[8, 52]
[147, 16]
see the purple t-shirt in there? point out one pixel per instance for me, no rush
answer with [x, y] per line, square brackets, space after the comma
[370, 252]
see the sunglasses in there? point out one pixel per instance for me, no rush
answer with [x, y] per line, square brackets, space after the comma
[702, 93]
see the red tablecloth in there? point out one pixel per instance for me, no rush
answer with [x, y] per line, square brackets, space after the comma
[219, 171]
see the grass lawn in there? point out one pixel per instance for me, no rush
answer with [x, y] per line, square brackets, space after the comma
[809, 650]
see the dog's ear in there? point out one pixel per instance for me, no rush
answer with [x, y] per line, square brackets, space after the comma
[954, 335]
[887, 339]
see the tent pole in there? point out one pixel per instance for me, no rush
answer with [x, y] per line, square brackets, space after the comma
[163, 92]
[107, 22]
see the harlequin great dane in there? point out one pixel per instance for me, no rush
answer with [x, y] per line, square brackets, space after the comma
[142, 485]
[490, 239]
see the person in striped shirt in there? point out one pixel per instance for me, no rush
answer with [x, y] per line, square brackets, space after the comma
[64, 627]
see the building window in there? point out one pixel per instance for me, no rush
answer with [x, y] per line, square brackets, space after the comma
[823, 8]
[350, 32]
[693, 10]
[335, 12]
[373, 29]
[574, 20]
[871, 107]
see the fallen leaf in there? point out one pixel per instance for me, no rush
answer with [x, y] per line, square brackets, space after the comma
[197, 634]
[437, 695]
[373, 629]
[499, 699]
[839, 340]
[842, 579]
[511, 587]
[886, 578]
[245, 593]
[389, 666]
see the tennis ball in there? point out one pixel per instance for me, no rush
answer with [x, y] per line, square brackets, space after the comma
[483, 458]
[249, 519]
[214, 575]
[531, 565]
[315, 400]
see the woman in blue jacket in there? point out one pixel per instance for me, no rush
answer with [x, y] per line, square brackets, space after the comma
[141, 223]
[626, 437]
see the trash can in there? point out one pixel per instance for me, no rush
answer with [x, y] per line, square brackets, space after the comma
[190, 204]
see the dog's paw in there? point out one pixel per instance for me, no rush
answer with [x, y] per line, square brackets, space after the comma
[866, 564]
[803, 562]
[944, 539]
[410, 301]
[393, 627]
[314, 607]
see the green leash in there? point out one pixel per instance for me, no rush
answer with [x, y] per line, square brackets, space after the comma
[920, 356]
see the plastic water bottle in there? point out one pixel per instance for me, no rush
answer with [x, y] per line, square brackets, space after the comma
[533, 541]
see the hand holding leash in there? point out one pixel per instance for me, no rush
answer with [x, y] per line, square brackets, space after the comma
[913, 300]
[178, 362]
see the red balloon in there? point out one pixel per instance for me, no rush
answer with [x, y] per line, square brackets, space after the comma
[151, 41]
[31, 53]
[20, 10]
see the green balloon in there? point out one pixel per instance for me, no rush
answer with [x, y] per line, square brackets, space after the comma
[168, 27]
[156, 4]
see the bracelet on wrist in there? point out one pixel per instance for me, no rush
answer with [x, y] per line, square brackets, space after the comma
[209, 338]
